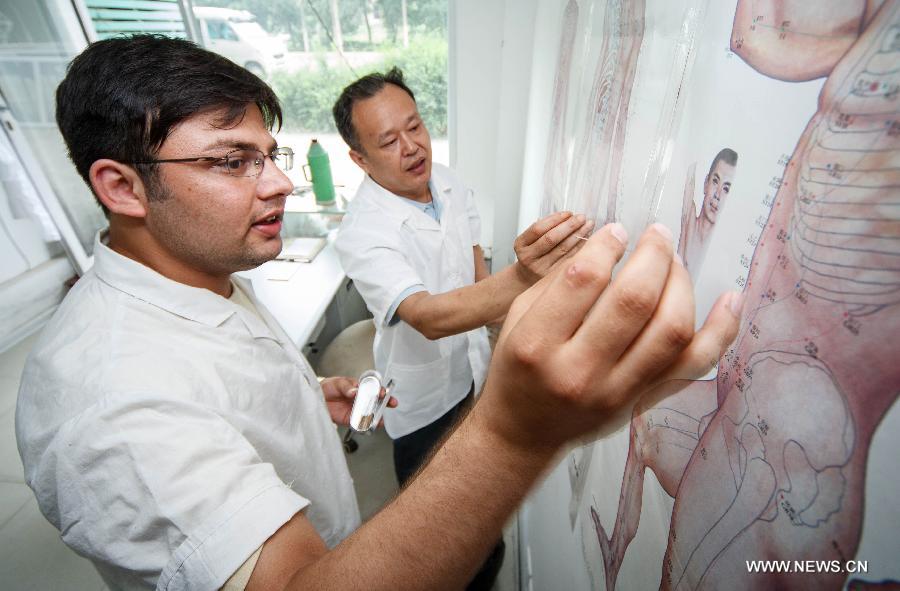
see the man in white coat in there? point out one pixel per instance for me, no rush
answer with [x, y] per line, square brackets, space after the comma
[410, 242]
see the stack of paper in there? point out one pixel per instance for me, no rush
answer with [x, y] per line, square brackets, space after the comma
[301, 249]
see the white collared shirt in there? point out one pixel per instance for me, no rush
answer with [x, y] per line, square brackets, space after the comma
[168, 432]
[388, 247]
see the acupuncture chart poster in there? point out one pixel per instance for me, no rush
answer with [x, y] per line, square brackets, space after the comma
[767, 137]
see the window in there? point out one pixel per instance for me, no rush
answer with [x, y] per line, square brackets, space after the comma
[219, 30]
[45, 208]
[110, 18]
[310, 49]
[38, 41]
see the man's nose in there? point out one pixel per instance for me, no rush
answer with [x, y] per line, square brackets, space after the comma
[273, 182]
[408, 145]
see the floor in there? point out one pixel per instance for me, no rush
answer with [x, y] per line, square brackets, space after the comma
[32, 557]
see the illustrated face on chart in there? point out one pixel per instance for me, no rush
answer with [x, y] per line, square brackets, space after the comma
[716, 189]
[396, 145]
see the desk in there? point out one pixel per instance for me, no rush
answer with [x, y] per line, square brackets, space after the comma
[299, 304]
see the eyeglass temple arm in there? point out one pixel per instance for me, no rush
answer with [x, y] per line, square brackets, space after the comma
[199, 159]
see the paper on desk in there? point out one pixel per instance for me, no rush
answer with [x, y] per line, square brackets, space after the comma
[301, 249]
[281, 270]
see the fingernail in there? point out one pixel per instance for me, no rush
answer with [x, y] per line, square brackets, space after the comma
[579, 218]
[618, 230]
[678, 259]
[589, 225]
[736, 305]
[664, 231]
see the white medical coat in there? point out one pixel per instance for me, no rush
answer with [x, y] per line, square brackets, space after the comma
[387, 246]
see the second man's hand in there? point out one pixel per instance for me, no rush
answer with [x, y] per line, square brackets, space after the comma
[549, 240]
[339, 393]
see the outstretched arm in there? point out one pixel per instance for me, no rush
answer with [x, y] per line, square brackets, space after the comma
[576, 350]
[541, 246]
[796, 40]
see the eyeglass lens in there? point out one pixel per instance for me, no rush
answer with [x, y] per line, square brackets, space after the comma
[251, 162]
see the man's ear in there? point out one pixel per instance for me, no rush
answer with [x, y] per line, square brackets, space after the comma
[119, 187]
[360, 160]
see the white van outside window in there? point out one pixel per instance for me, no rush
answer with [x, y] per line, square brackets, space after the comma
[236, 35]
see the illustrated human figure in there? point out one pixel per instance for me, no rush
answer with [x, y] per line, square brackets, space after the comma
[769, 459]
[697, 227]
[556, 164]
[599, 153]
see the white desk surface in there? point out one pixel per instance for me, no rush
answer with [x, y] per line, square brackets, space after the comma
[300, 302]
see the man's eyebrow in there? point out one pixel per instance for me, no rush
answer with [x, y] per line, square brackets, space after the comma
[226, 144]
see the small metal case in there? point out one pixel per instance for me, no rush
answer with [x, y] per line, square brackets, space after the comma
[369, 405]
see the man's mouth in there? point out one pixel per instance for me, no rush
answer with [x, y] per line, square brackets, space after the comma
[271, 219]
[417, 166]
[270, 225]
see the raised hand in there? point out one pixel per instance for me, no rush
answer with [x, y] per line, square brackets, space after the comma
[549, 240]
[578, 349]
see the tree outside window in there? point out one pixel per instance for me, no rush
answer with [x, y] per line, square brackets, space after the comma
[328, 44]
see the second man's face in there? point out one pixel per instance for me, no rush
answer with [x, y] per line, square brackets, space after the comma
[396, 145]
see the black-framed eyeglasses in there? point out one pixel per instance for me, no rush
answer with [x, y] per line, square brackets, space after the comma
[241, 162]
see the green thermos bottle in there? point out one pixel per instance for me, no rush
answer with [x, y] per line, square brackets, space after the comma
[319, 168]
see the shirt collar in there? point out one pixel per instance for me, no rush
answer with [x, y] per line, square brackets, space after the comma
[434, 204]
[399, 207]
[145, 284]
[439, 184]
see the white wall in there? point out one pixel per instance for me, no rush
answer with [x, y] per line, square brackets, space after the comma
[490, 77]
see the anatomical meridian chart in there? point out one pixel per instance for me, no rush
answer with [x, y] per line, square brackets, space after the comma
[766, 135]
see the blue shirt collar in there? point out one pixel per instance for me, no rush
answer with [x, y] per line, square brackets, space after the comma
[432, 208]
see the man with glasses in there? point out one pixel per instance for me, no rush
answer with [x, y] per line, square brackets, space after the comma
[178, 439]
[164, 413]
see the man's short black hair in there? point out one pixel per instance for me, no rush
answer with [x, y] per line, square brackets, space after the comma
[364, 88]
[122, 97]
[726, 155]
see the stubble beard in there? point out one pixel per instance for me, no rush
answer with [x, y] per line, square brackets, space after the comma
[201, 249]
